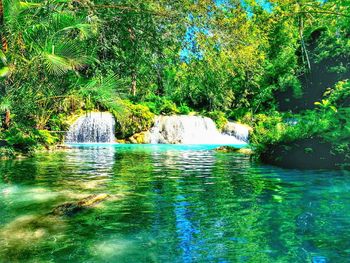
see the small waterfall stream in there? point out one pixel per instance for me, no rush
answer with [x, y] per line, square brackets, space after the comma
[191, 130]
[94, 127]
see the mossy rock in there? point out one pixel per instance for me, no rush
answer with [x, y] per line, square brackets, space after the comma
[231, 149]
[227, 149]
[246, 151]
[139, 138]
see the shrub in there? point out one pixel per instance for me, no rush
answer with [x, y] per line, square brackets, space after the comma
[21, 138]
[219, 118]
[46, 138]
[184, 109]
[131, 118]
[161, 105]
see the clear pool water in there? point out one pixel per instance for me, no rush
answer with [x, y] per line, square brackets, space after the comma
[170, 203]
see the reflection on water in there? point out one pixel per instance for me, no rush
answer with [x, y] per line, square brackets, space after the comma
[170, 204]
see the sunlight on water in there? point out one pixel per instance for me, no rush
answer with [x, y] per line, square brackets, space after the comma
[169, 203]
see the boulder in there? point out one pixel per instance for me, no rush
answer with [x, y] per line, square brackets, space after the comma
[140, 138]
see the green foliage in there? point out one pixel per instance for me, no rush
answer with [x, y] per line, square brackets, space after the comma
[131, 118]
[58, 122]
[7, 153]
[219, 118]
[26, 140]
[184, 109]
[161, 105]
[339, 95]
[21, 139]
[46, 138]
[275, 127]
[167, 107]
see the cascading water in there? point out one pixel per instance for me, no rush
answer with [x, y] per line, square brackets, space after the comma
[189, 130]
[94, 127]
[240, 131]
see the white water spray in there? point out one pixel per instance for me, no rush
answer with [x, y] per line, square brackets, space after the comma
[189, 130]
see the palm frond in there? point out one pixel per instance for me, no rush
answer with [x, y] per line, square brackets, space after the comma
[104, 89]
[14, 8]
[69, 22]
[106, 84]
[64, 57]
[55, 64]
[28, 5]
[5, 104]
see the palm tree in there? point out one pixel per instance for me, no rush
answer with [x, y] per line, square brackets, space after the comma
[45, 50]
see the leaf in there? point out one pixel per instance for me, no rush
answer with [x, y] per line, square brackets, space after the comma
[4, 72]
[3, 57]
[333, 108]
[28, 5]
[64, 57]
[56, 65]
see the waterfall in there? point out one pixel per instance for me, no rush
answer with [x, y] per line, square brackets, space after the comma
[189, 130]
[240, 131]
[94, 127]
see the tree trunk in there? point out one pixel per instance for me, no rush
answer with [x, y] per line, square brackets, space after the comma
[133, 83]
[7, 119]
[2, 37]
[1, 13]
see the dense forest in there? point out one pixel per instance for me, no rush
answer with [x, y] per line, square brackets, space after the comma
[281, 67]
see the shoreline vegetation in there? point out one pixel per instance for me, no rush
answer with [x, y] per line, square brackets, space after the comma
[283, 70]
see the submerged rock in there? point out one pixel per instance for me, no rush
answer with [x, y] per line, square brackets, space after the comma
[227, 149]
[28, 231]
[63, 147]
[70, 209]
[230, 149]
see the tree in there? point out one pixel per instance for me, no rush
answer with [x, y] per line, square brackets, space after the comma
[47, 52]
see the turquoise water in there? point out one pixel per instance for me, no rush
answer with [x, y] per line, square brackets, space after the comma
[170, 203]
